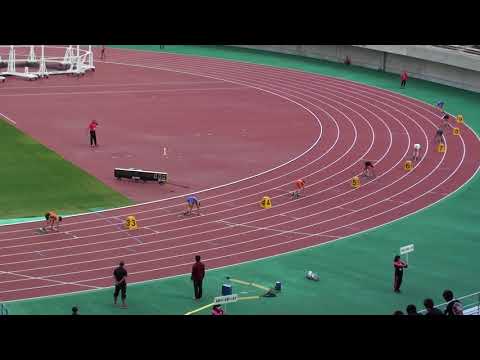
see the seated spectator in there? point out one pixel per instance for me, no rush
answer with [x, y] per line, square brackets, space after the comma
[412, 310]
[398, 312]
[217, 310]
[454, 306]
[75, 310]
[431, 310]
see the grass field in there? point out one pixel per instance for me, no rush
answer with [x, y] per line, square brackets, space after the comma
[356, 272]
[36, 179]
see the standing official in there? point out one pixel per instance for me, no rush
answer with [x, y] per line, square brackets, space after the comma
[403, 78]
[198, 273]
[120, 277]
[92, 127]
[398, 265]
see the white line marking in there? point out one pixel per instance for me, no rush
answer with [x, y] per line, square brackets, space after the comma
[8, 119]
[113, 92]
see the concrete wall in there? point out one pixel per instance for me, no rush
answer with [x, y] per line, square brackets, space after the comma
[438, 65]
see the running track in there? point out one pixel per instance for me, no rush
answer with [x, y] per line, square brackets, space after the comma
[354, 121]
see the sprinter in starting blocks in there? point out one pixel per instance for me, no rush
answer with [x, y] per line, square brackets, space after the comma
[300, 185]
[438, 136]
[192, 201]
[368, 169]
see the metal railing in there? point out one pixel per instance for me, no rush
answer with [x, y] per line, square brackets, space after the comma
[470, 302]
[3, 310]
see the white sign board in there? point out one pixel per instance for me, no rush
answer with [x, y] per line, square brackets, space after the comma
[225, 299]
[406, 249]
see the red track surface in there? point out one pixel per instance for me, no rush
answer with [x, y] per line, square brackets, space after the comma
[351, 122]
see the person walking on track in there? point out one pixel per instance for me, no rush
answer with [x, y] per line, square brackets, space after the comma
[120, 277]
[102, 54]
[52, 218]
[403, 78]
[398, 265]
[92, 127]
[198, 273]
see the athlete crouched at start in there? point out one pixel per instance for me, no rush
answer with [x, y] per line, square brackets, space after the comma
[192, 201]
[300, 187]
[368, 169]
[52, 218]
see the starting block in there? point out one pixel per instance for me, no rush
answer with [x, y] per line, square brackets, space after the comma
[131, 223]
[295, 195]
[355, 182]
[456, 131]
[460, 119]
[266, 202]
[441, 148]
[408, 165]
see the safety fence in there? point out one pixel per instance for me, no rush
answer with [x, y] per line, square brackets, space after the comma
[3, 310]
[470, 302]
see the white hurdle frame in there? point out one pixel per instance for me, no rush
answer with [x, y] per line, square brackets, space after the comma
[76, 60]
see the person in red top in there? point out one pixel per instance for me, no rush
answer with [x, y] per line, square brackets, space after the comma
[198, 273]
[403, 78]
[399, 265]
[217, 310]
[92, 127]
[300, 184]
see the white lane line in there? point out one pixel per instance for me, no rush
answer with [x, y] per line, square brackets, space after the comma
[123, 92]
[8, 119]
[26, 277]
[114, 85]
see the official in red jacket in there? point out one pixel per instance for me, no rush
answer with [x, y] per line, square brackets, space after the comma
[92, 127]
[403, 78]
[198, 273]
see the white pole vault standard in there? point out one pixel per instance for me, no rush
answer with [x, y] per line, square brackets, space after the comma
[11, 60]
[406, 250]
[67, 59]
[90, 57]
[31, 56]
[43, 66]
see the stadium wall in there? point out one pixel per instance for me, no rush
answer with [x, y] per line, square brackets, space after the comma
[443, 66]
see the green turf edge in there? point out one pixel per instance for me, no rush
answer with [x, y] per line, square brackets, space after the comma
[36, 179]
[445, 237]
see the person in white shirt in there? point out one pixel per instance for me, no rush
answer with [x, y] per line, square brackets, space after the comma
[416, 152]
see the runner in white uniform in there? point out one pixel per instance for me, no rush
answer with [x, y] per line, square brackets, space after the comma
[416, 152]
